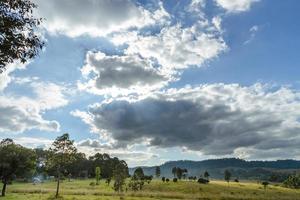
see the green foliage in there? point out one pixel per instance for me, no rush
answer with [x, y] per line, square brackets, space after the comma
[175, 180]
[15, 160]
[180, 173]
[120, 173]
[18, 37]
[163, 179]
[203, 181]
[227, 175]
[157, 171]
[98, 176]
[206, 175]
[138, 180]
[106, 163]
[61, 153]
[292, 182]
[265, 184]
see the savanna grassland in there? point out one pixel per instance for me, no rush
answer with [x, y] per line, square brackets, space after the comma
[215, 190]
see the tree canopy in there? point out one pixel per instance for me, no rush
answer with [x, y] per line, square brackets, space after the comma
[15, 160]
[19, 38]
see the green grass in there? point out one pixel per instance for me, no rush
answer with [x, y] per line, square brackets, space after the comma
[215, 190]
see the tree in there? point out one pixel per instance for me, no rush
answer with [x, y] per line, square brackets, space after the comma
[206, 175]
[265, 184]
[292, 181]
[174, 170]
[15, 160]
[137, 180]
[157, 171]
[61, 154]
[227, 176]
[139, 173]
[98, 176]
[120, 173]
[19, 39]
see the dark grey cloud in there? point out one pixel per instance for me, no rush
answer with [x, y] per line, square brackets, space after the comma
[213, 119]
[121, 72]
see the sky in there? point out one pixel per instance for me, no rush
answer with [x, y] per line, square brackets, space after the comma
[151, 81]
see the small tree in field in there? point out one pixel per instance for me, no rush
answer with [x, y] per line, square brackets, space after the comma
[157, 172]
[265, 184]
[174, 171]
[119, 174]
[61, 154]
[15, 160]
[98, 176]
[227, 176]
[206, 175]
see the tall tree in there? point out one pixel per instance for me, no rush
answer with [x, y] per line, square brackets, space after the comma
[120, 173]
[61, 154]
[15, 160]
[157, 171]
[174, 170]
[206, 175]
[19, 39]
[98, 176]
[227, 175]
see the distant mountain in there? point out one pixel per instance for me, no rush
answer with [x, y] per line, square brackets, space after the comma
[242, 169]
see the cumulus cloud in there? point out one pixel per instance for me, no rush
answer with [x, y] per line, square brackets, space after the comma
[20, 113]
[178, 47]
[121, 74]
[213, 119]
[236, 5]
[96, 18]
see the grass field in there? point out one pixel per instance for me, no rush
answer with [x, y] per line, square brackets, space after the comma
[219, 190]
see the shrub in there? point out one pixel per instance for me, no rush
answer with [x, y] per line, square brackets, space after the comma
[203, 181]
[92, 183]
[175, 180]
[292, 182]
[163, 179]
[167, 180]
[236, 180]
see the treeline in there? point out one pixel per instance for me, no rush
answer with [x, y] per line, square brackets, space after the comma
[61, 161]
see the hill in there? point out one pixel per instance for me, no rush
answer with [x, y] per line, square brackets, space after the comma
[275, 171]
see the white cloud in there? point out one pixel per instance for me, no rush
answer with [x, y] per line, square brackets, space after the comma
[5, 76]
[236, 5]
[178, 48]
[253, 31]
[215, 119]
[121, 74]
[96, 18]
[20, 113]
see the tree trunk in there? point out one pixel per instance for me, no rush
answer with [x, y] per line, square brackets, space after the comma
[57, 187]
[4, 188]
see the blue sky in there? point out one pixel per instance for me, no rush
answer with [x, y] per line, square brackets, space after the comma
[151, 81]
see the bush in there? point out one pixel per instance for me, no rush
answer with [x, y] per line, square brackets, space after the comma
[175, 180]
[236, 180]
[167, 180]
[163, 179]
[292, 182]
[203, 181]
[92, 183]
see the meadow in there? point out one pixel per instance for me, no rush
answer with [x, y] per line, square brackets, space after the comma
[215, 190]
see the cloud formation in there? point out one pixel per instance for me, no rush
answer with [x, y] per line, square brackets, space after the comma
[236, 5]
[20, 113]
[121, 74]
[176, 47]
[96, 18]
[212, 119]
